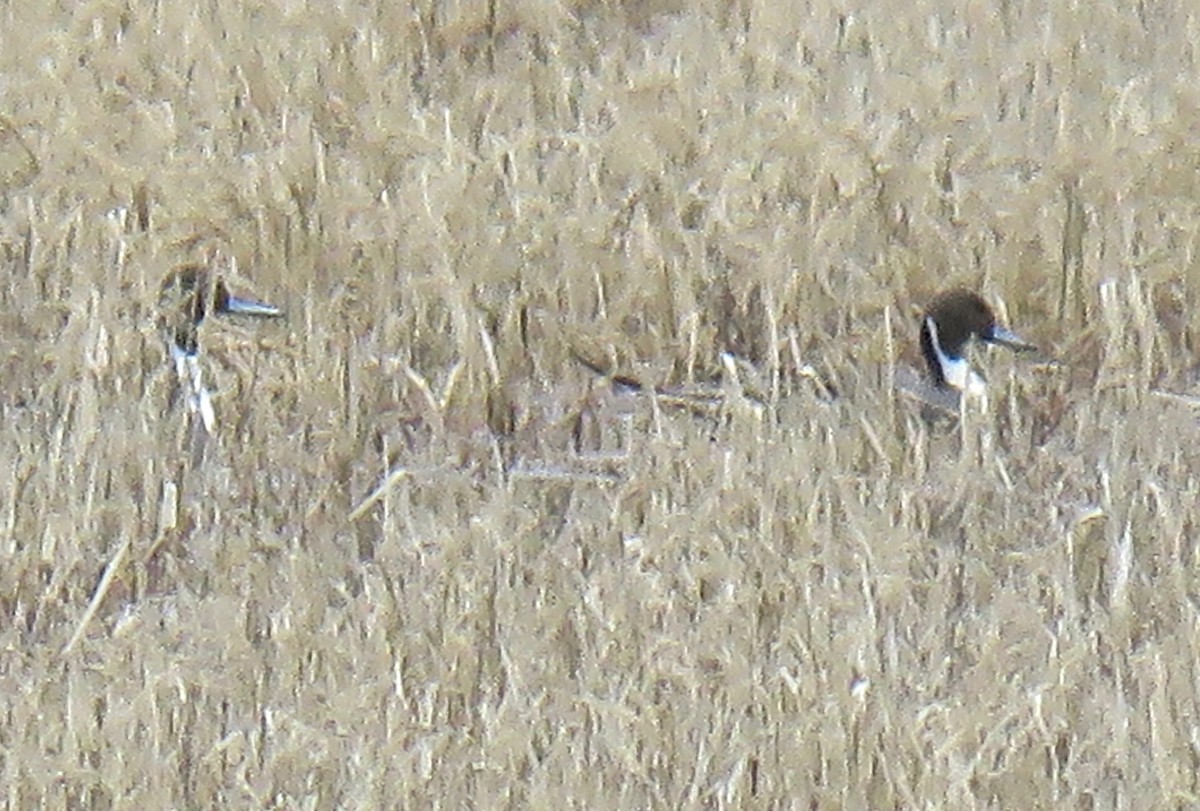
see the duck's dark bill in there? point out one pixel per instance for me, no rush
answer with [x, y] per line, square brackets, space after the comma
[1004, 337]
[245, 306]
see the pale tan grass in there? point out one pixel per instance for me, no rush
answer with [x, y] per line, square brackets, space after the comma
[431, 560]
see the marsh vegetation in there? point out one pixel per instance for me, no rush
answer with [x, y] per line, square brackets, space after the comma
[431, 559]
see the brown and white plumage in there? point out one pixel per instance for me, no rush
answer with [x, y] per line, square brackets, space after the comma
[187, 296]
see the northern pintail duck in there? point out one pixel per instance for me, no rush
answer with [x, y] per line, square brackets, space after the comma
[951, 322]
[188, 295]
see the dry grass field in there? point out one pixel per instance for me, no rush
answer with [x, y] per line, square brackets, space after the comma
[428, 559]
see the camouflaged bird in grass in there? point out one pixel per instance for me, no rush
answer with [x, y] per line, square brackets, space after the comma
[189, 294]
